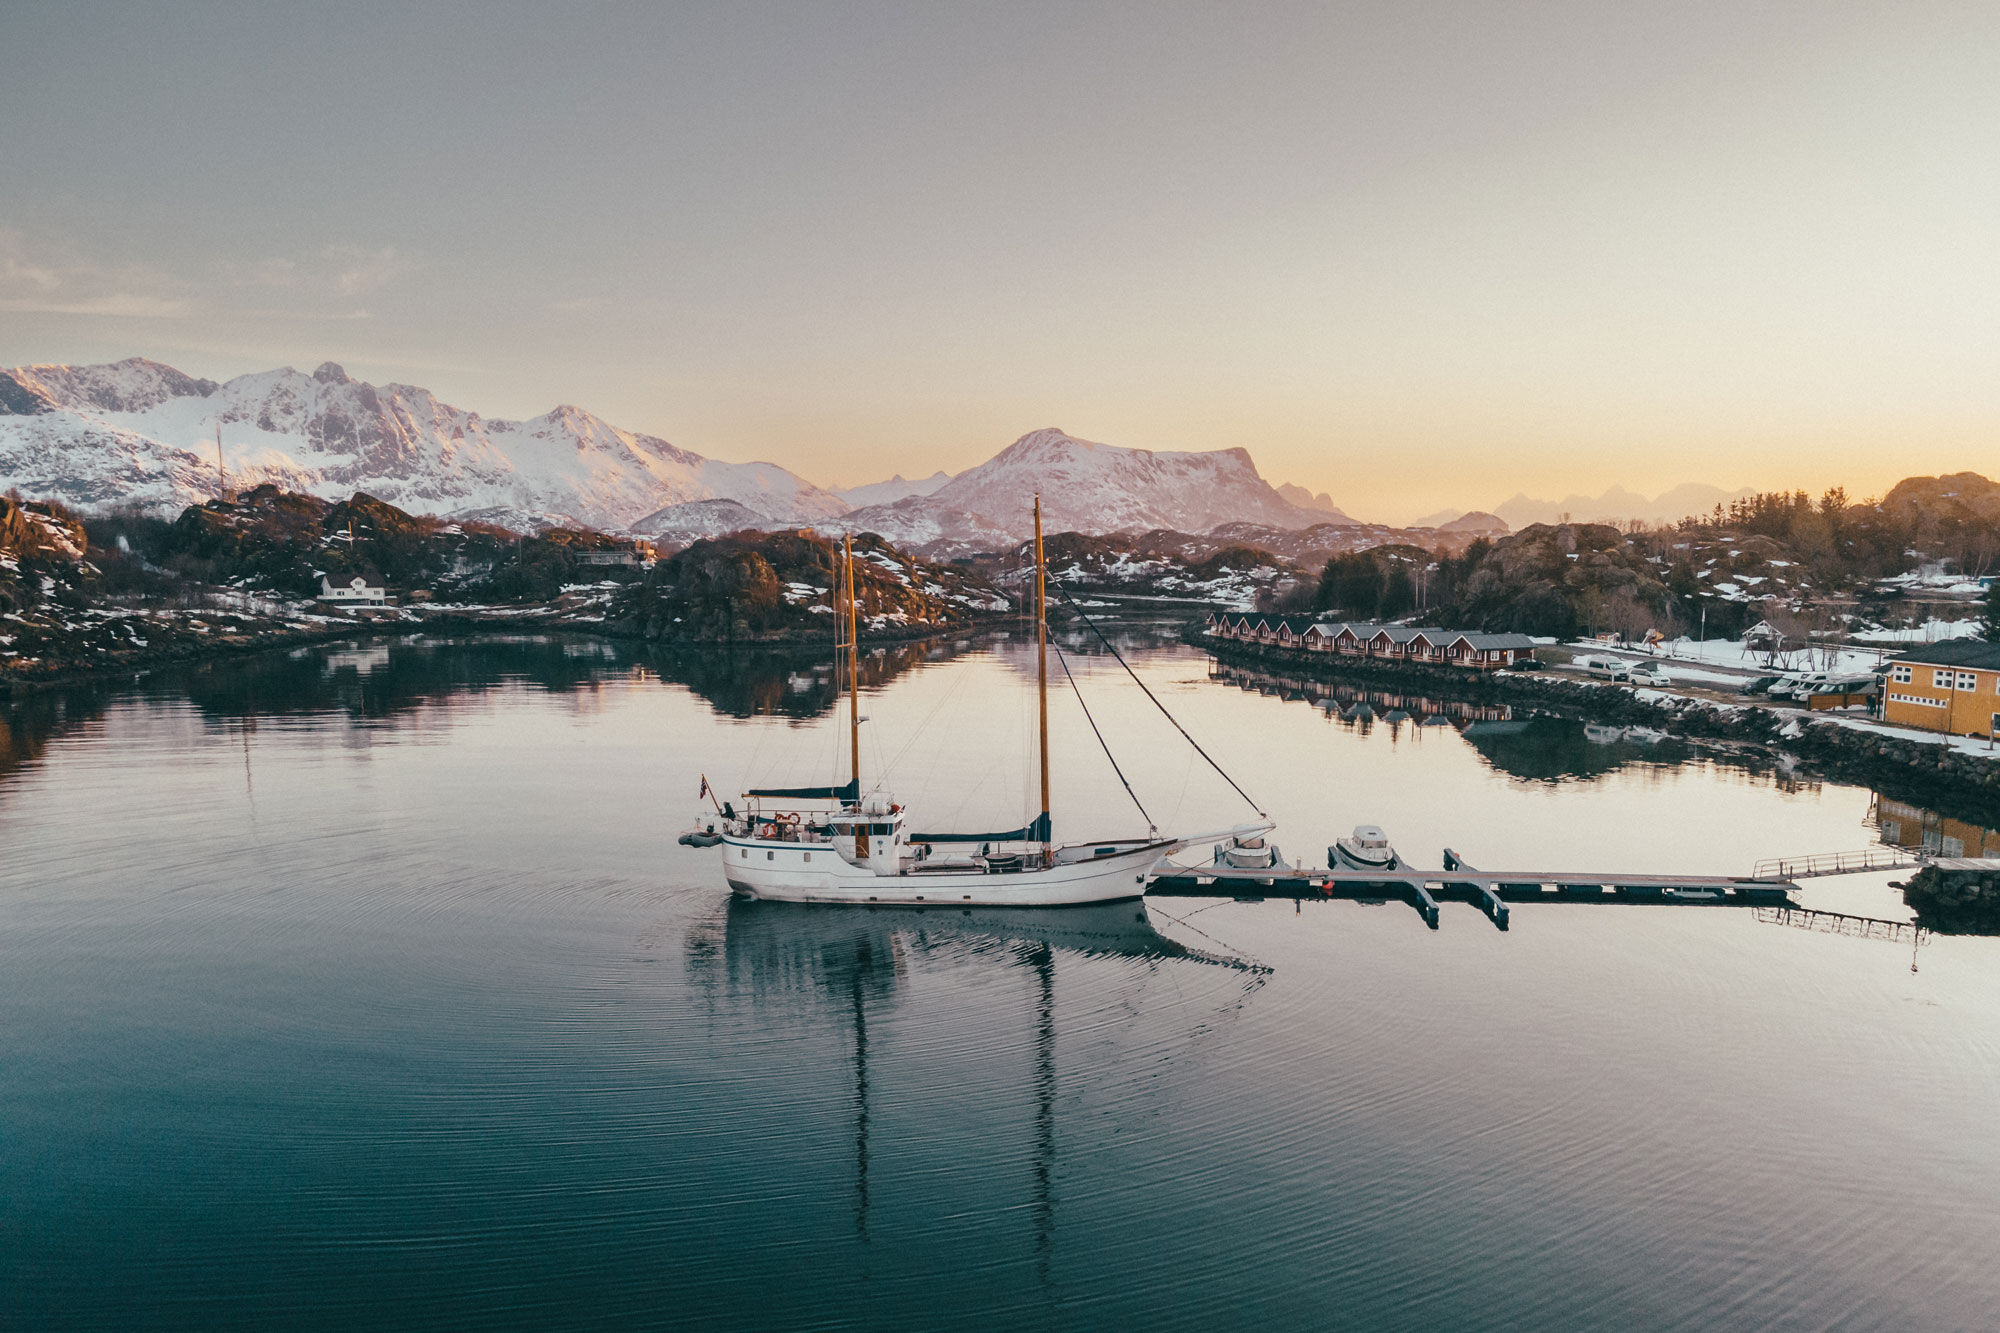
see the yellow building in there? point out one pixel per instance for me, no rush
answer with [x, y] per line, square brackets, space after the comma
[1952, 686]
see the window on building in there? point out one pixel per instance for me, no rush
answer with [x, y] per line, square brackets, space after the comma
[1967, 681]
[1901, 675]
[1941, 679]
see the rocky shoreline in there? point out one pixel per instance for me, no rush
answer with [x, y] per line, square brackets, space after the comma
[1955, 902]
[1933, 775]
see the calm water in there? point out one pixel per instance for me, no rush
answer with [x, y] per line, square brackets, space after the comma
[368, 987]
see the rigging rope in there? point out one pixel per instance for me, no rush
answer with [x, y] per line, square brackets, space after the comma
[1063, 659]
[1113, 649]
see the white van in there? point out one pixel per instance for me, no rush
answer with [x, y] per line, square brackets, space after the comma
[1799, 685]
[1604, 668]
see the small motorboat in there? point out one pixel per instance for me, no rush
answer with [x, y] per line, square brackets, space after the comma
[1367, 848]
[1248, 853]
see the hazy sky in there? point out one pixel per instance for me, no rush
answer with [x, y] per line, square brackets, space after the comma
[1411, 254]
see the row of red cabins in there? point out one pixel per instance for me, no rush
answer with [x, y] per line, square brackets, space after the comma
[1397, 643]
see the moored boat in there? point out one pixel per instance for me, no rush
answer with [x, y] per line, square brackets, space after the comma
[1365, 849]
[841, 844]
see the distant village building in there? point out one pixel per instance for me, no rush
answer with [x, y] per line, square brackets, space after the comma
[1952, 686]
[1471, 649]
[356, 592]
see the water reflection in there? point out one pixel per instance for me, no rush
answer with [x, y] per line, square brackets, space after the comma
[1899, 824]
[854, 966]
[1521, 743]
[384, 682]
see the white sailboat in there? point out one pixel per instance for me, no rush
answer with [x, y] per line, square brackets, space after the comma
[837, 844]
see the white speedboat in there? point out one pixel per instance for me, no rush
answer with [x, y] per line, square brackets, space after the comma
[837, 844]
[1365, 849]
[1251, 852]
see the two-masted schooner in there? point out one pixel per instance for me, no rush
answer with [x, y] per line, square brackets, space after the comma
[839, 844]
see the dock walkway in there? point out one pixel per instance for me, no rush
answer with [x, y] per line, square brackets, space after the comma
[1491, 891]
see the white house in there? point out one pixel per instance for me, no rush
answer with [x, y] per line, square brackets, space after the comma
[356, 593]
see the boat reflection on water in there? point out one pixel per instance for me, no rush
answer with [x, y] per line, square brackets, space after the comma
[854, 964]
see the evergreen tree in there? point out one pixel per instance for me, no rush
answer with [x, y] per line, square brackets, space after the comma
[1990, 613]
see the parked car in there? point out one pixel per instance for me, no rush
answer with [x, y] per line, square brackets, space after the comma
[1761, 685]
[1605, 668]
[1649, 673]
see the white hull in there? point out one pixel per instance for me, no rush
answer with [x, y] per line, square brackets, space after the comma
[779, 872]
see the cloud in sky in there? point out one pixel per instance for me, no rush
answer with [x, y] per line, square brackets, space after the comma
[43, 275]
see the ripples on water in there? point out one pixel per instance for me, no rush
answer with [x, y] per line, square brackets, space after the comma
[374, 991]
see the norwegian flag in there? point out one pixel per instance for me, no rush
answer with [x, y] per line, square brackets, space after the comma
[704, 787]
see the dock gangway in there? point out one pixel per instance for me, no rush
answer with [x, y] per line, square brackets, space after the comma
[1836, 863]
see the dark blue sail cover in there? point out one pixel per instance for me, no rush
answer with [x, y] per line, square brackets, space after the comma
[1035, 832]
[851, 791]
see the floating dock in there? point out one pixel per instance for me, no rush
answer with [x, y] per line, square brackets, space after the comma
[1491, 891]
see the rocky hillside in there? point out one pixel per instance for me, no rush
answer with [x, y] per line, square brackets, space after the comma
[761, 587]
[280, 542]
[1563, 580]
[42, 549]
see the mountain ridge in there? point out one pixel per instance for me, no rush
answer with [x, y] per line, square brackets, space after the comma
[143, 433]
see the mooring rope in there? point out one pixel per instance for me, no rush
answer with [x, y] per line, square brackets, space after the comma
[1113, 649]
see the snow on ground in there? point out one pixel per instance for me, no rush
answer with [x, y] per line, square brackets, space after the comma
[1931, 631]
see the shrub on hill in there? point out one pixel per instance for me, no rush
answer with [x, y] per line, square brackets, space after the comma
[763, 585]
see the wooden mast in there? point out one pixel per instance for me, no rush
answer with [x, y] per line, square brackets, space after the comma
[1042, 655]
[853, 676]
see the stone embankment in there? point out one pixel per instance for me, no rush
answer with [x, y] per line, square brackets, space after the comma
[1955, 902]
[1924, 773]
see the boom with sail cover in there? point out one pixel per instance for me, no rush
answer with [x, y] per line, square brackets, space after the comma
[1035, 832]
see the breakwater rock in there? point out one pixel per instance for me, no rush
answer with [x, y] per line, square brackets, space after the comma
[1955, 902]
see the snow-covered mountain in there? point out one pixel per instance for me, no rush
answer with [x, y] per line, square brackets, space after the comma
[919, 523]
[140, 432]
[1095, 488]
[691, 520]
[896, 488]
